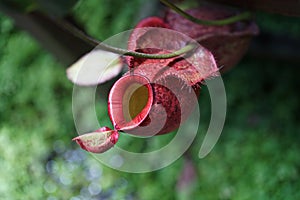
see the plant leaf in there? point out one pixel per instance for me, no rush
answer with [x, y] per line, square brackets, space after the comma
[227, 43]
[95, 68]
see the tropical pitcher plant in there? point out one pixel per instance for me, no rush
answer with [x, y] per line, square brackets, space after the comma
[165, 70]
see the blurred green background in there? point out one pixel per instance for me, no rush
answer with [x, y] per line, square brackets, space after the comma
[257, 156]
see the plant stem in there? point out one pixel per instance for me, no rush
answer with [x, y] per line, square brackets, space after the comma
[125, 52]
[78, 33]
[221, 22]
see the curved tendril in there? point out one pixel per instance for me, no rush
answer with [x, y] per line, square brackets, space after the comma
[78, 33]
[221, 22]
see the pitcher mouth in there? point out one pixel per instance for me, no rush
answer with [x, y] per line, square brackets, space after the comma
[129, 101]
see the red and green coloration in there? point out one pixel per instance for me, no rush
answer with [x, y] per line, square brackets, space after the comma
[227, 43]
[98, 141]
[145, 108]
[156, 95]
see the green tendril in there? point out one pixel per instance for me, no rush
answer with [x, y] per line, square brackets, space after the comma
[78, 33]
[221, 22]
